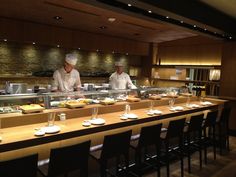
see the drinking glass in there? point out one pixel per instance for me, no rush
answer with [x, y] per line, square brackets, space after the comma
[51, 118]
[188, 101]
[127, 109]
[94, 112]
[151, 105]
[171, 102]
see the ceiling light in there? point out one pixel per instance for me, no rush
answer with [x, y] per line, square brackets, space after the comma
[194, 26]
[129, 5]
[103, 27]
[181, 21]
[33, 43]
[113, 52]
[167, 17]
[215, 32]
[127, 53]
[57, 18]
[205, 29]
[5, 40]
[230, 37]
[79, 48]
[150, 11]
[111, 19]
[97, 50]
[58, 46]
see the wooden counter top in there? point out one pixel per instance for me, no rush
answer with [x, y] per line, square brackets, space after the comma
[23, 136]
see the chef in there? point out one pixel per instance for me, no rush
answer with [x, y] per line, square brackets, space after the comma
[120, 79]
[67, 78]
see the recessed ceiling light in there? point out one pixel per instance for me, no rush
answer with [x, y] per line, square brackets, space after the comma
[97, 50]
[111, 19]
[79, 48]
[113, 51]
[215, 32]
[127, 53]
[58, 46]
[129, 5]
[194, 26]
[103, 27]
[230, 37]
[5, 40]
[167, 17]
[181, 21]
[57, 18]
[33, 43]
[150, 11]
[205, 29]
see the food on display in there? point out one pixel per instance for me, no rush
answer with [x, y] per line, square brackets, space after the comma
[31, 108]
[108, 101]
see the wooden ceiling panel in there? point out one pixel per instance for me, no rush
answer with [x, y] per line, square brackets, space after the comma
[85, 17]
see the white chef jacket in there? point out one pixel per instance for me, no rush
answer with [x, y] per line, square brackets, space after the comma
[66, 82]
[121, 81]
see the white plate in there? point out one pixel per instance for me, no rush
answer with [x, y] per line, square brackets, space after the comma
[86, 123]
[205, 103]
[97, 121]
[51, 129]
[152, 112]
[39, 133]
[177, 108]
[129, 116]
[193, 106]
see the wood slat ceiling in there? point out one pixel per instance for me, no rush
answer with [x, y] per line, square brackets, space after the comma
[85, 17]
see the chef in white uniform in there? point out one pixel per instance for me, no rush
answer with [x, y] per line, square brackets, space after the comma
[67, 79]
[120, 79]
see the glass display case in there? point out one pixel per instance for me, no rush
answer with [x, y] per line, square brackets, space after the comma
[38, 101]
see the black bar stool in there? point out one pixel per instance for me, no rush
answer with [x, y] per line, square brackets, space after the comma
[173, 143]
[192, 138]
[223, 129]
[114, 146]
[209, 133]
[149, 137]
[67, 159]
[22, 167]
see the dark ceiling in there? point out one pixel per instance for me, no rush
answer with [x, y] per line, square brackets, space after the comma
[199, 16]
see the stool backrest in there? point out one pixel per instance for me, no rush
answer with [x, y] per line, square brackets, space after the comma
[225, 114]
[195, 123]
[175, 128]
[66, 159]
[211, 118]
[116, 144]
[150, 135]
[22, 167]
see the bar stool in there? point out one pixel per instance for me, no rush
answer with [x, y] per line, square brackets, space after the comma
[223, 129]
[209, 135]
[23, 167]
[192, 137]
[114, 146]
[149, 137]
[173, 143]
[64, 160]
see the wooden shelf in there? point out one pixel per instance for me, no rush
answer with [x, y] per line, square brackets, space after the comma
[188, 81]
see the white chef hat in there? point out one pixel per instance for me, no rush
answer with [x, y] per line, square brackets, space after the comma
[71, 58]
[119, 63]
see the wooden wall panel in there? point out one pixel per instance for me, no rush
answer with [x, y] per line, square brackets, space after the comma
[228, 70]
[22, 31]
[191, 51]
